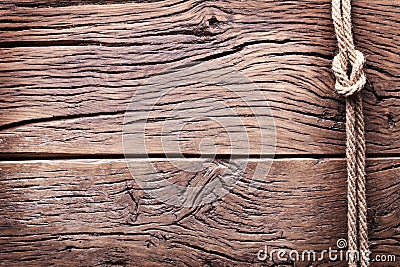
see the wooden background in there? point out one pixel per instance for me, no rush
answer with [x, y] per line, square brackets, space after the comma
[68, 70]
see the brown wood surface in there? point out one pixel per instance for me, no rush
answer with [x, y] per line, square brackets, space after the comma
[101, 54]
[91, 212]
[69, 69]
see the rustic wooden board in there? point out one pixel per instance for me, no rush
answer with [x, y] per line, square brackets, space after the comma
[68, 70]
[68, 73]
[91, 212]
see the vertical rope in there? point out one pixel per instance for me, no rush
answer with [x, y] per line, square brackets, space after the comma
[351, 179]
[361, 190]
[350, 60]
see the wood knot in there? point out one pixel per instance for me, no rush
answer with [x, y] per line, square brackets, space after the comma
[210, 26]
[213, 22]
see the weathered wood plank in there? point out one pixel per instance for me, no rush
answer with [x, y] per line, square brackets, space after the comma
[68, 73]
[200, 20]
[71, 99]
[91, 212]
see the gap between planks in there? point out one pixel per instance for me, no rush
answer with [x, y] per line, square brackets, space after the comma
[59, 156]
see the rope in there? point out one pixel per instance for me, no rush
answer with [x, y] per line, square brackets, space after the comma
[350, 78]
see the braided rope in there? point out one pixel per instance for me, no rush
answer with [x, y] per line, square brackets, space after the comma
[361, 195]
[349, 86]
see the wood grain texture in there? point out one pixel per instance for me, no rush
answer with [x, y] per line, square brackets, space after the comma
[91, 212]
[62, 3]
[68, 70]
[68, 73]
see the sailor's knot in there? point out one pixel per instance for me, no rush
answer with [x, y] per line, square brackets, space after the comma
[347, 84]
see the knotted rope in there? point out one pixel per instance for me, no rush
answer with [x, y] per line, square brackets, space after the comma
[350, 78]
